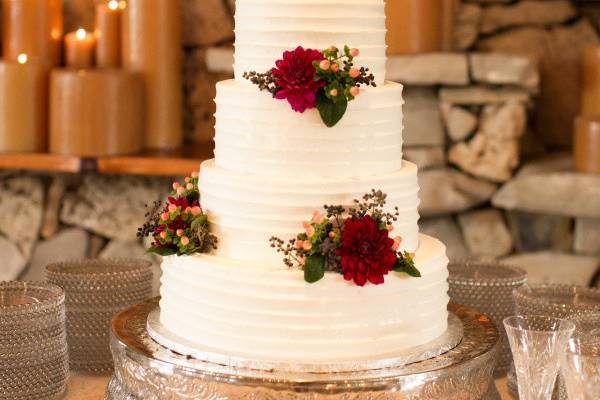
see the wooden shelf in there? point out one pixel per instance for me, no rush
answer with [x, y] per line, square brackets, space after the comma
[156, 163]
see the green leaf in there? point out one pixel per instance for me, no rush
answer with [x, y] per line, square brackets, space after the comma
[406, 264]
[314, 269]
[200, 220]
[331, 112]
[161, 251]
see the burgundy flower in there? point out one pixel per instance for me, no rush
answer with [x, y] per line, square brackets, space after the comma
[365, 251]
[295, 76]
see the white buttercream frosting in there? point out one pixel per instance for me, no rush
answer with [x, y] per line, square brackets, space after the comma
[264, 29]
[248, 309]
[246, 210]
[259, 135]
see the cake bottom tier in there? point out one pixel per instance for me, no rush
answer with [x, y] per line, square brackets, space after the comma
[265, 313]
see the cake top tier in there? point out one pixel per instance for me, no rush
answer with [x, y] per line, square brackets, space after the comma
[266, 28]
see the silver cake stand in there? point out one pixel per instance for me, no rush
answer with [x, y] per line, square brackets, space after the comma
[146, 370]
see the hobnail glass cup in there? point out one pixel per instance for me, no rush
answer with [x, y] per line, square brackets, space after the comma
[538, 343]
[487, 287]
[95, 290]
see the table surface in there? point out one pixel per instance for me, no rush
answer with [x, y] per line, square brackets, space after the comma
[89, 387]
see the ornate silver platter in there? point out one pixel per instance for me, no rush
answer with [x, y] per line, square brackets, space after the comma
[449, 340]
[146, 370]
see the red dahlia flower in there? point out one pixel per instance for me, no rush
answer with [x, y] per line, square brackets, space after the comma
[365, 251]
[295, 77]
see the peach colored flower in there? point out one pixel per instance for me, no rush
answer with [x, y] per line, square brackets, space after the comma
[299, 244]
[397, 241]
[335, 67]
[333, 92]
[305, 224]
[324, 65]
[354, 52]
[180, 232]
[332, 234]
[354, 72]
[194, 174]
[180, 190]
[189, 186]
[196, 210]
[355, 91]
[310, 231]
[390, 227]
[176, 185]
[185, 241]
[172, 208]
[317, 217]
[163, 234]
[307, 245]
[187, 179]
[164, 216]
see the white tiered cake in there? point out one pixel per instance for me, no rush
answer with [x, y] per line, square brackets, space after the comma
[272, 168]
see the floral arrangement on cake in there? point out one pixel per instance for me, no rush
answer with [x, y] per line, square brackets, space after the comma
[309, 78]
[356, 243]
[179, 225]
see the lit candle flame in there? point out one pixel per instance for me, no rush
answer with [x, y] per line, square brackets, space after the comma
[22, 58]
[80, 34]
[113, 4]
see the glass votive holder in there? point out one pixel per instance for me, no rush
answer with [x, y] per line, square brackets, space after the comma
[34, 361]
[96, 290]
[488, 287]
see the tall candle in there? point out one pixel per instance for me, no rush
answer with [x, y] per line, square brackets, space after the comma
[152, 47]
[449, 12]
[95, 112]
[108, 33]
[32, 27]
[23, 105]
[590, 81]
[414, 26]
[586, 144]
[79, 49]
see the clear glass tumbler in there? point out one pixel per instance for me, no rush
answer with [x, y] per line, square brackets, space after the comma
[581, 364]
[538, 344]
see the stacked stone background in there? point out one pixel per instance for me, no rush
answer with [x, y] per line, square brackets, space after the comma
[488, 125]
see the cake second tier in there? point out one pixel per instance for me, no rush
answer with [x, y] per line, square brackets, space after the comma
[246, 210]
[259, 135]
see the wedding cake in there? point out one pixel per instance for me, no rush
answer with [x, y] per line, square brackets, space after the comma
[273, 168]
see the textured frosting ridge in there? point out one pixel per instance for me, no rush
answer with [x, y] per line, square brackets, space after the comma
[258, 135]
[244, 308]
[264, 29]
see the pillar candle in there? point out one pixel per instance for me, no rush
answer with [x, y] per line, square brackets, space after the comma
[414, 26]
[152, 47]
[23, 105]
[32, 27]
[586, 146]
[95, 112]
[449, 12]
[108, 33]
[79, 49]
[590, 81]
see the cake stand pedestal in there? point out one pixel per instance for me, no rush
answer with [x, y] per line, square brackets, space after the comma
[146, 370]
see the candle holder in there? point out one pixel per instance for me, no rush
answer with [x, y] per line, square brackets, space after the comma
[95, 291]
[488, 287]
[33, 346]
